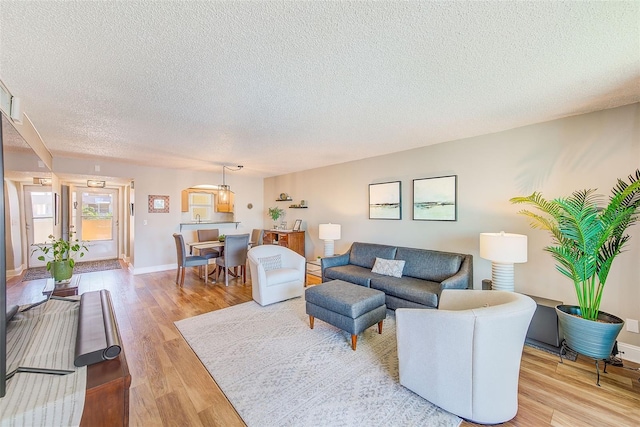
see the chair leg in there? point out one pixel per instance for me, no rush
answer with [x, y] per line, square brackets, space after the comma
[226, 276]
[206, 272]
[182, 277]
[178, 276]
[244, 274]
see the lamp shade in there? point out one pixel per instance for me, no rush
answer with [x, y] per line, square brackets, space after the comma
[503, 247]
[329, 231]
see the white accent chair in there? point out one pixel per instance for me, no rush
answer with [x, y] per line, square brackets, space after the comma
[465, 356]
[277, 284]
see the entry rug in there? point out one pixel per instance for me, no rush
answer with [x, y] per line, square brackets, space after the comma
[276, 371]
[80, 267]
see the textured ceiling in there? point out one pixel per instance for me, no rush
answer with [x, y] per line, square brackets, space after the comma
[287, 86]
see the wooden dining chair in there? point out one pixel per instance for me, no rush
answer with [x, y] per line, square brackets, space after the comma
[209, 235]
[185, 261]
[256, 237]
[234, 255]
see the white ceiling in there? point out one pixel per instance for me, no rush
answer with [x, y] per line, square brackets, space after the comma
[287, 86]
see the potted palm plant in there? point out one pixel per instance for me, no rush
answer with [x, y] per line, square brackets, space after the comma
[587, 237]
[60, 255]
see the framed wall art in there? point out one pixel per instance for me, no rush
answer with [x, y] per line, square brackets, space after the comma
[434, 199]
[158, 204]
[385, 200]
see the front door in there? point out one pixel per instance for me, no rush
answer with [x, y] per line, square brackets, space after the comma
[38, 205]
[95, 222]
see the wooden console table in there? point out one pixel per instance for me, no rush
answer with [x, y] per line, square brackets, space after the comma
[107, 400]
[293, 240]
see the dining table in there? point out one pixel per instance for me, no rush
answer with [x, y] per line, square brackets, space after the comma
[204, 245]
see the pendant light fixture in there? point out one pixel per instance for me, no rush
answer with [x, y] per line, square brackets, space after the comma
[224, 191]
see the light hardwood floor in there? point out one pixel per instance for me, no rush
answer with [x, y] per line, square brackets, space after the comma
[171, 387]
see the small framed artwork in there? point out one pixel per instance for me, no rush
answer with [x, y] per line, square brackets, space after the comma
[158, 204]
[283, 225]
[434, 199]
[297, 224]
[384, 200]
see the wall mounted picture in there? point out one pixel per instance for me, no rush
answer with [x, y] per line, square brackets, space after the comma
[158, 204]
[384, 201]
[434, 199]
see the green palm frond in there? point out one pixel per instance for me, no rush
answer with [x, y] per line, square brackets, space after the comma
[586, 237]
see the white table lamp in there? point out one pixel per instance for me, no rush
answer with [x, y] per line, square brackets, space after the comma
[329, 233]
[503, 250]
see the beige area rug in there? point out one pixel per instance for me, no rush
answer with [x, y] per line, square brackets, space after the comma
[276, 371]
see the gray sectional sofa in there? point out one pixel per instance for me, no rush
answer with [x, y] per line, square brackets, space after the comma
[426, 273]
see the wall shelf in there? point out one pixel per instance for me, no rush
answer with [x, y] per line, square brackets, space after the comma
[284, 200]
[298, 207]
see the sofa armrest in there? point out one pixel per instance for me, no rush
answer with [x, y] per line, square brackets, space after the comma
[333, 261]
[463, 279]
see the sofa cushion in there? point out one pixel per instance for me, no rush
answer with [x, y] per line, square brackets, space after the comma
[365, 254]
[429, 265]
[388, 267]
[408, 288]
[349, 273]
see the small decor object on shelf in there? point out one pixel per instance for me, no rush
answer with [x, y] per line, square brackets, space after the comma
[284, 196]
[221, 238]
[587, 237]
[60, 255]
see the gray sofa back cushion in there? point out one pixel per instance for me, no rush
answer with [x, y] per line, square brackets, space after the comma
[429, 265]
[364, 254]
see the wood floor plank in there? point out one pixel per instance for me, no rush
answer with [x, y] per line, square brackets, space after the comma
[170, 386]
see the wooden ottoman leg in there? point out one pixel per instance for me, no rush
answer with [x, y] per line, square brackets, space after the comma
[380, 327]
[354, 341]
[311, 321]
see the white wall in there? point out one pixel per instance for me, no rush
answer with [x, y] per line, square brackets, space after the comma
[556, 158]
[153, 245]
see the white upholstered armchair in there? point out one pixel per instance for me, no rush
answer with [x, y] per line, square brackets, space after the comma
[277, 273]
[465, 356]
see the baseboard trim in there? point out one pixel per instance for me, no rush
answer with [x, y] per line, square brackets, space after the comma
[629, 352]
[153, 269]
[16, 272]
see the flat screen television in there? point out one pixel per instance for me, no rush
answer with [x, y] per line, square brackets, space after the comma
[3, 282]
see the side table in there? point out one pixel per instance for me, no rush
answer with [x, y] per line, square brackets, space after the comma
[543, 329]
[62, 289]
[314, 268]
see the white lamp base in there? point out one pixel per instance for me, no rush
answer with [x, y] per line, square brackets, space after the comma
[502, 276]
[328, 248]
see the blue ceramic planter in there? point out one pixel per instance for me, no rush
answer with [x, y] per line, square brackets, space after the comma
[588, 337]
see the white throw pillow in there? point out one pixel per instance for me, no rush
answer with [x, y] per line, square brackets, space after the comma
[273, 262]
[389, 267]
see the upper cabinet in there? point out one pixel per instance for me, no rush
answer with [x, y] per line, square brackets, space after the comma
[201, 204]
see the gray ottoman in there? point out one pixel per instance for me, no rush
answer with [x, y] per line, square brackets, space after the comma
[350, 307]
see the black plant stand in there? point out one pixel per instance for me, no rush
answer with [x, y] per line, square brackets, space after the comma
[563, 349]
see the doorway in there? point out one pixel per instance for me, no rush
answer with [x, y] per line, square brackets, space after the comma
[38, 208]
[95, 221]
